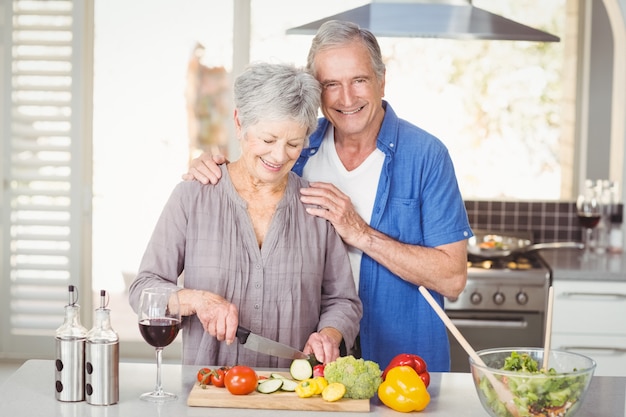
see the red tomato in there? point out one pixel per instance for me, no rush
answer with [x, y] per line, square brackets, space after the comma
[217, 376]
[204, 376]
[241, 380]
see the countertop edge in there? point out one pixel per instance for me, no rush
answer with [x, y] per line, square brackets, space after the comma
[573, 264]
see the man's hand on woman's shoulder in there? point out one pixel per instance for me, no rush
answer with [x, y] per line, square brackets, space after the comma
[205, 168]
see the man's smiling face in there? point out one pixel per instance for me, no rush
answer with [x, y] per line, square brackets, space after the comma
[351, 93]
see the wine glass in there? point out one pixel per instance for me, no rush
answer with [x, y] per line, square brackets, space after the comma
[588, 210]
[159, 322]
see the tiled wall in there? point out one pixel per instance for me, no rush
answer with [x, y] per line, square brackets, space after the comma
[549, 221]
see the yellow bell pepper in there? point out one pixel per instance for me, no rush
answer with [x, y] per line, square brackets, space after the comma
[403, 390]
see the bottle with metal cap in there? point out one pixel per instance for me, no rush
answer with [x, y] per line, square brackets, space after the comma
[102, 359]
[70, 353]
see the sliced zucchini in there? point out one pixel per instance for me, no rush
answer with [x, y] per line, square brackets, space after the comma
[301, 369]
[277, 375]
[267, 386]
[288, 385]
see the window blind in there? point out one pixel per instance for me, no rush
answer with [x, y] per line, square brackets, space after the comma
[46, 156]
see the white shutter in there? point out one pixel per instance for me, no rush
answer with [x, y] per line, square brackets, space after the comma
[46, 168]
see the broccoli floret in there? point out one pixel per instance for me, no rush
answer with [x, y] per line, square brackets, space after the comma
[520, 363]
[360, 377]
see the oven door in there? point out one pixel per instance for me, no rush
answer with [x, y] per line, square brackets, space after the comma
[492, 329]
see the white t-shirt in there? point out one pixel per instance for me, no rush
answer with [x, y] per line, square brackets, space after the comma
[360, 184]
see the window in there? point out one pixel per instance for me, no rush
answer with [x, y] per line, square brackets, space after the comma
[141, 129]
[47, 184]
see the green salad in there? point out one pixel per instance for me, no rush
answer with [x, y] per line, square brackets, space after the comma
[536, 392]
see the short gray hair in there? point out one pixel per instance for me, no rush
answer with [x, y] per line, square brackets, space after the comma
[277, 92]
[338, 33]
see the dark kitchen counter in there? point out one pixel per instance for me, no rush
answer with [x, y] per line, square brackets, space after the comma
[571, 264]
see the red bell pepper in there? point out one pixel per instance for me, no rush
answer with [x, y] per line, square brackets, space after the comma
[414, 361]
[318, 370]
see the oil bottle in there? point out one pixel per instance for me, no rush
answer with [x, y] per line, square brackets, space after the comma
[70, 353]
[102, 359]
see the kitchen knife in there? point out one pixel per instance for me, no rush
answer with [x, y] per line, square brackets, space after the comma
[262, 344]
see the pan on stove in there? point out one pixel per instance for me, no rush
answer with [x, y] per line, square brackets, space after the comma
[496, 245]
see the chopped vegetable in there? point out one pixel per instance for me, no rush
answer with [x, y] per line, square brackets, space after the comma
[321, 384]
[306, 388]
[288, 385]
[403, 390]
[334, 392]
[310, 387]
[318, 370]
[521, 363]
[267, 386]
[492, 244]
[535, 396]
[360, 377]
[301, 369]
[412, 360]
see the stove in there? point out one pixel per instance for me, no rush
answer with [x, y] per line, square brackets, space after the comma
[518, 284]
[503, 304]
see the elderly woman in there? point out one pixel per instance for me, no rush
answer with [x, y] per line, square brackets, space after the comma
[250, 253]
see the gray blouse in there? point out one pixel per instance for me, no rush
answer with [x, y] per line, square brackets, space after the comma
[297, 283]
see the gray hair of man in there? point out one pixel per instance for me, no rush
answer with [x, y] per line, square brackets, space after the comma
[336, 33]
[277, 92]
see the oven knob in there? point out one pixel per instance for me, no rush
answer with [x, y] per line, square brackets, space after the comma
[521, 297]
[498, 298]
[476, 298]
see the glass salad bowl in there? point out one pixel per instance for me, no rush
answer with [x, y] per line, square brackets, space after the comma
[512, 384]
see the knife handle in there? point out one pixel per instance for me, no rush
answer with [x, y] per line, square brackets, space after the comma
[313, 360]
[242, 334]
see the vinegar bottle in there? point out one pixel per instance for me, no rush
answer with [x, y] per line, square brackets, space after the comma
[102, 359]
[70, 353]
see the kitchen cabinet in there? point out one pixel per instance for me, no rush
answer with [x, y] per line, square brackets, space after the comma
[588, 318]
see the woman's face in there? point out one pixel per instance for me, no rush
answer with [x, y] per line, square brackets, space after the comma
[269, 149]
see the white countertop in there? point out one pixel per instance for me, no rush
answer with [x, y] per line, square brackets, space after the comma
[30, 392]
[572, 264]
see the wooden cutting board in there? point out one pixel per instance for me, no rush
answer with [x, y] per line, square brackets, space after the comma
[211, 396]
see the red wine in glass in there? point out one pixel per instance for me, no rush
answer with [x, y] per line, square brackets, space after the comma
[588, 211]
[589, 221]
[159, 323]
[159, 332]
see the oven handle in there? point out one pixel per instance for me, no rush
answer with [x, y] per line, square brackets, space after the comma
[509, 324]
[572, 294]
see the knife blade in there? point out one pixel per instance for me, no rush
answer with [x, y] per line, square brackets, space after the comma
[262, 344]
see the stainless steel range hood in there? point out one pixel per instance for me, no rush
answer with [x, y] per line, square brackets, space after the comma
[432, 19]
